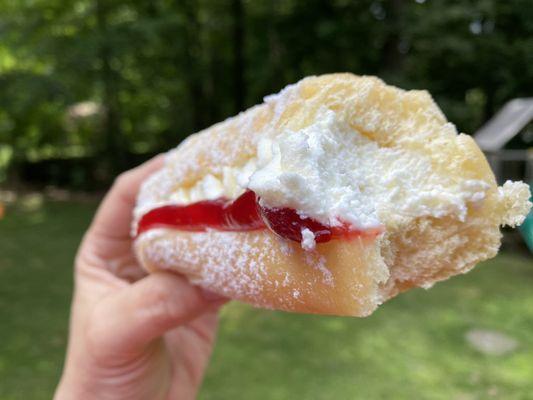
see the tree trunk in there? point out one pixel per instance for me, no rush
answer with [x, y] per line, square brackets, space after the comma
[392, 57]
[113, 147]
[238, 55]
[275, 53]
[193, 63]
[488, 107]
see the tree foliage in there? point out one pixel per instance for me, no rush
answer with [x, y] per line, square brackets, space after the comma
[163, 69]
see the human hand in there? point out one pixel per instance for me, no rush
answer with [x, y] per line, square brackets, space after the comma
[133, 336]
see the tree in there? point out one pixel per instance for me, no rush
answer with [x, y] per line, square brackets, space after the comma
[164, 69]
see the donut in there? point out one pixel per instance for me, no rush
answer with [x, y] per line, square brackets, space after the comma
[331, 197]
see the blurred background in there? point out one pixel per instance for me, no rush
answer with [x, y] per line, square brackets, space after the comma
[89, 88]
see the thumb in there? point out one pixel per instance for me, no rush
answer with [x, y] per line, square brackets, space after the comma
[126, 322]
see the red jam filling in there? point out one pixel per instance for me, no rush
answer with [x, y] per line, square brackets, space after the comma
[242, 214]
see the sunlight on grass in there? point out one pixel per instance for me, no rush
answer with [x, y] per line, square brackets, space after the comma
[413, 347]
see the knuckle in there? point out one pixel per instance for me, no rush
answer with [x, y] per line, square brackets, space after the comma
[156, 292]
[163, 307]
[122, 179]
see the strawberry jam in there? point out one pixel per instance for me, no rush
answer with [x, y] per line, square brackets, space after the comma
[242, 214]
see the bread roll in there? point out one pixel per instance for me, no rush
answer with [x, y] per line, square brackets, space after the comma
[338, 149]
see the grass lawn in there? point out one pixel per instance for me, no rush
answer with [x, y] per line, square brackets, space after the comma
[414, 347]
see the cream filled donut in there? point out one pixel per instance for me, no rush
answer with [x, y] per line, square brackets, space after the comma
[331, 197]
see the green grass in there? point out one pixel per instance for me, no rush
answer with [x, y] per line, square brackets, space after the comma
[411, 348]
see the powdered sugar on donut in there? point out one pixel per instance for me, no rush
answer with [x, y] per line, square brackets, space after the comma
[229, 266]
[334, 148]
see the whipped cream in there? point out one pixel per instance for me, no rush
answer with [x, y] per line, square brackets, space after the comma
[231, 185]
[308, 239]
[332, 173]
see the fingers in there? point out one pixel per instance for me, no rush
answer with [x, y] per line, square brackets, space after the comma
[113, 218]
[126, 322]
